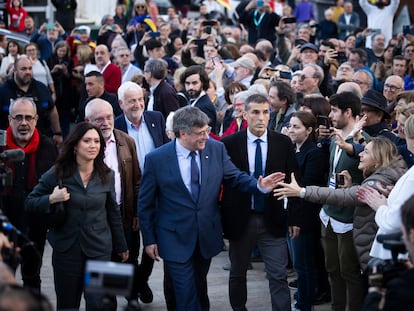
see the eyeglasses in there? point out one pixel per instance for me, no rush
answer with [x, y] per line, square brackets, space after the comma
[19, 118]
[103, 119]
[140, 7]
[359, 82]
[30, 50]
[123, 55]
[392, 88]
[304, 77]
[202, 133]
[409, 51]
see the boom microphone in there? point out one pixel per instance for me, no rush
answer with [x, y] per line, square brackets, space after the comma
[14, 155]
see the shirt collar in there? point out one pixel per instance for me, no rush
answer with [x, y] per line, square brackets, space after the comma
[251, 137]
[111, 139]
[182, 150]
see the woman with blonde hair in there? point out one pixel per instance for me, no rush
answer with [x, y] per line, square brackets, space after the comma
[381, 166]
[387, 206]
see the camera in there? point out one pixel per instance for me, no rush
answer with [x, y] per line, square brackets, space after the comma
[408, 30]
[380, 272]
[109, 278]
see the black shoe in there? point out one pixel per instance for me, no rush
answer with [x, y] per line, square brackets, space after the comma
[322, 298]
[293, 284]
[145, 294]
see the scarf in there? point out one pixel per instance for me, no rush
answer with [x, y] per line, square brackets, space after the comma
[31, 154]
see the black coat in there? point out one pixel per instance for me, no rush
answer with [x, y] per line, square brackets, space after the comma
[236, 205]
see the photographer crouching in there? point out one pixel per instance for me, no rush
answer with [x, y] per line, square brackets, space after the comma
[392, 282]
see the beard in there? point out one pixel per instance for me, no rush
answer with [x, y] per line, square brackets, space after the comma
[23, 81]
[193, 94]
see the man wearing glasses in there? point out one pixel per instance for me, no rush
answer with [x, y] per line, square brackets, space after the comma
[178, 204]
[40, 154]
[393, 86]
[23, 85]
[123, 60]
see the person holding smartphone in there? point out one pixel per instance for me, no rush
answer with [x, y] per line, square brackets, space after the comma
[259, 20]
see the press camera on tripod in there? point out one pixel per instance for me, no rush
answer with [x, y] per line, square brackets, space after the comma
[380, 272]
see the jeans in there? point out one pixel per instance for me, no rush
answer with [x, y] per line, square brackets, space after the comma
[303, 255]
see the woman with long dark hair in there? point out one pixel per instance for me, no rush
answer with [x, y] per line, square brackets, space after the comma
[312, 168]
[93, 222]
[60, 65]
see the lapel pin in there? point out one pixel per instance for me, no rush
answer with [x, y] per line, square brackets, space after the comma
[206, 156]
[152, 124]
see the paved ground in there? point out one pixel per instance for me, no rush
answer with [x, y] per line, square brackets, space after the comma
[258, 299]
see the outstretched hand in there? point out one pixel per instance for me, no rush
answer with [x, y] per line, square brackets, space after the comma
[270, 181]
[371, 197]
[287, 190]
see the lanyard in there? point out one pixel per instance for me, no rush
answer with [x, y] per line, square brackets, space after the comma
[258, 21]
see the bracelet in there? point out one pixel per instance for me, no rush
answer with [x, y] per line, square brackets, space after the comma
[57, 134]
[302, 193]
[361, 141]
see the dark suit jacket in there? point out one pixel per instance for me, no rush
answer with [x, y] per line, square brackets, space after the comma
[236, 205]
[169, 216]
[206, 106]
[130, 176]
[93, 217]
[344, 27]
[165, 99]
[156, 126]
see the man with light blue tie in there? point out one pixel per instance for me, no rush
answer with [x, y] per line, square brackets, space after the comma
[178, 204]
[258, 219]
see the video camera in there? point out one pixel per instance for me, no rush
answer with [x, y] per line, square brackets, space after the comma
[380, 272]
[110, 278]
[15, 155]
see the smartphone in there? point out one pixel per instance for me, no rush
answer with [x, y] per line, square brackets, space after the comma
[324, 120]
[408, 30]
[339, 179]
[341, 57]
[200, 42]
[285, 75]
[217, 62]
[299, 42]
[375, 31]
[260, 3]
[289, 20]
[207, 30]
[154, 34]
[209, 23]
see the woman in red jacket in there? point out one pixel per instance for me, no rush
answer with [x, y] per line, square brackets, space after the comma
[16, 15]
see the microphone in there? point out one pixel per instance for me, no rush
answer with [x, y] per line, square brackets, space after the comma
[12, 155]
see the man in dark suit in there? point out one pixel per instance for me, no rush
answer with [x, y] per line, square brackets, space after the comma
[121, 157]
[163, 97]
[177, 204]
[249, 220]
[147, 128]
[196, 83]
[348, 21]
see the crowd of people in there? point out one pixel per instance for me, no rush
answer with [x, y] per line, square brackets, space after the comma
[288, 135]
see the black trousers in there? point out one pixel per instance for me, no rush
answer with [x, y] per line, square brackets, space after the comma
[68, 272]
